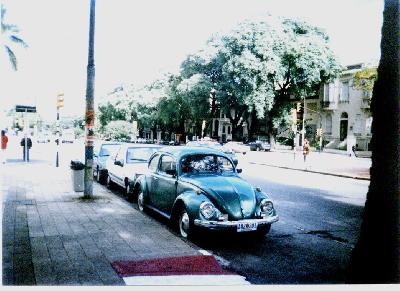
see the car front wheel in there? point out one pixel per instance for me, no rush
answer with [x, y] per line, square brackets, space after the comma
[263, 230]
[109, 182]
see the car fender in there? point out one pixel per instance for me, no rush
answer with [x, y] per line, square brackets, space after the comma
[140, 184]
[191, 200]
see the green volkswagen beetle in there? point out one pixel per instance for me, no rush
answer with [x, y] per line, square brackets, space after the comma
[200, 187]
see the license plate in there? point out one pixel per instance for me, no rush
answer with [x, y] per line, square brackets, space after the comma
[246, 226]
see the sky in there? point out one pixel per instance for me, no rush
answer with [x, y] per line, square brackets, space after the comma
[136, 41]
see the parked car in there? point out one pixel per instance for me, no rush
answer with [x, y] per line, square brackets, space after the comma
[214, 145]
[260, 145]
[101, 153]
[129, 163]
[43, 138]
[68, 137]
[237, 147]
[198, 187]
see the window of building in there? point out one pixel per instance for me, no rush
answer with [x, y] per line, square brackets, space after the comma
[358, 125]
[368, 125]
[223, 129]
[344, 92]
[229, 130]
[326, 92]
[328, 125]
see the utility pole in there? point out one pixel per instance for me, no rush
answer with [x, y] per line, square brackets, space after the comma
[89, 114]
[60, 103]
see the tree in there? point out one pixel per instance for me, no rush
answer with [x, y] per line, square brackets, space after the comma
[118, 130]
[259, 65]
[9, 38]
[365, 79]
[375, 257]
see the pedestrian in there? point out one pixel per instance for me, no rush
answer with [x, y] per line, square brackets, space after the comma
[306, 149]
[353, 150]
[29, 144]
[4, 141]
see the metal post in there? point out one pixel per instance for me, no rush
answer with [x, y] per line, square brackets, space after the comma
[89, 115]
[58, 133]
[26, 125]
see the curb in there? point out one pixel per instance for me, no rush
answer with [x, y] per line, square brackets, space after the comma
[312, 171]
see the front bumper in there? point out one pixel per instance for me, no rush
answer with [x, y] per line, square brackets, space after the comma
[220, 225]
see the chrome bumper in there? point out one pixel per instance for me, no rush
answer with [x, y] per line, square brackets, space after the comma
[233, 224]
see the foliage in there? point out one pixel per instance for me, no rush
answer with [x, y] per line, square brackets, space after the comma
[365, 79]
[259, 65]
[9, 38]
[118, 130]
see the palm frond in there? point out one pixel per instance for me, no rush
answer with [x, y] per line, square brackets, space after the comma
[9, 27]
[12, 57]
[18, 40]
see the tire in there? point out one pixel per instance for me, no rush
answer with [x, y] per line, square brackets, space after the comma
[263, 230]
[185, 225]
[109, 182]
[140, 200]
[129, 191]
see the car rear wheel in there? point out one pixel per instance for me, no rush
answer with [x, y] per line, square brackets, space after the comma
[140, 200]
[184, 223]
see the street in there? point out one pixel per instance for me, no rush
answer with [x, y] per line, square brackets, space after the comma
[311, 243]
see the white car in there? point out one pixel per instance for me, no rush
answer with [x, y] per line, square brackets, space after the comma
[237, 147]
[130, 162]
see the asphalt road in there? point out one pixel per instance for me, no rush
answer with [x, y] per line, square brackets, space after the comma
[320, 217]
[319, 222]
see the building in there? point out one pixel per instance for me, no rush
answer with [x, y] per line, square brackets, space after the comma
[342, 111]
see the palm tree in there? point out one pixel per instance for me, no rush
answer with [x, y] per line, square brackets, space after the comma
[9, 37]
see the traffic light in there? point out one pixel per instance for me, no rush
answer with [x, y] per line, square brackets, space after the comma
[60, 101]
[319, 131]
[298, 106]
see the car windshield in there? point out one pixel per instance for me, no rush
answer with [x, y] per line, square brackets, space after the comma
[198, 164]
[108, 150]
[139, 154]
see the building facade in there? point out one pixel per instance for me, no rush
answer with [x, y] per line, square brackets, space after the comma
[342, 111]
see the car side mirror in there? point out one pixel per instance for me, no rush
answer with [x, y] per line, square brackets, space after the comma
[171, 172]
[235, 162]
[118, 163]
[239, 171]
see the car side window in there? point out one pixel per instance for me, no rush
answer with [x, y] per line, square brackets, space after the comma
[154, 163]
[119, 156]
[167, 163]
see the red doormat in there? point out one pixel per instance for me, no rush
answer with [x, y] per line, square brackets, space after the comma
[186, 265]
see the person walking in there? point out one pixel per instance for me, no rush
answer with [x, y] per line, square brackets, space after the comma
[29, 144]
[4, 141]
[306, 149]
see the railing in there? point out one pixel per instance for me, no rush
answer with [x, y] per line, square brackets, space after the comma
[328, 104]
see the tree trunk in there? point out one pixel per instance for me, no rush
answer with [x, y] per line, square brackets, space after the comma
[375, 256]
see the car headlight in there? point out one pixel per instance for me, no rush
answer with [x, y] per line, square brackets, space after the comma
[266, 206]
[207, 210]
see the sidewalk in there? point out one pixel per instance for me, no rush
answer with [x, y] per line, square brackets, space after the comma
[316, 162]
[51, 236]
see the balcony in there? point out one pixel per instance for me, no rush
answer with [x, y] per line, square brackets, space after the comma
[328, 105]
[365, 103]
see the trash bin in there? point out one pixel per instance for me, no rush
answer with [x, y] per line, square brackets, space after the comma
[78, 174]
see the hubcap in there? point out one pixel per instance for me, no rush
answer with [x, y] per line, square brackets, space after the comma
[140, 201]
[184, 224]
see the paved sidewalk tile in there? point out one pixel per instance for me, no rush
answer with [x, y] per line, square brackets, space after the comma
[52, 237]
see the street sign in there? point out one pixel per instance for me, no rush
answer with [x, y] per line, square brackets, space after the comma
[24, 108]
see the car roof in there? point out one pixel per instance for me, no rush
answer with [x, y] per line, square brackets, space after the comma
[139, 145]
[180, 151]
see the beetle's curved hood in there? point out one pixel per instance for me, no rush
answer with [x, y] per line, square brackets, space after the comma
[231, 193]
